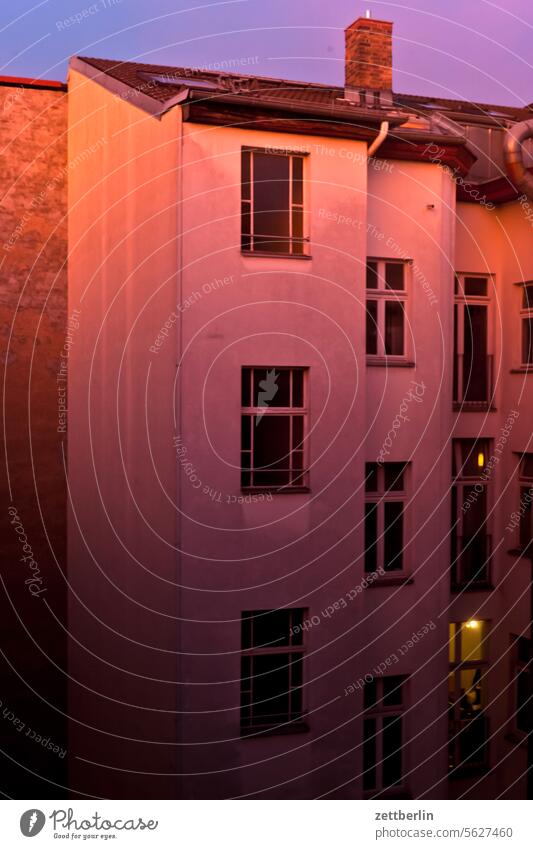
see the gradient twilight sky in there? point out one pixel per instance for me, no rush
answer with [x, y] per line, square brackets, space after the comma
[471, 49]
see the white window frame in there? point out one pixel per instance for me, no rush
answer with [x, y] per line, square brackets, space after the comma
[381, 295]
[461, 300]
[378, 712]
[380, 498]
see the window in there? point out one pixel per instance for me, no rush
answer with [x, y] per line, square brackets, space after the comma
[526, 499]
[470, 542]
[526, 319]
[472, 364]
[273, 428]
[272, 207]
[383, 733]
[519, 684]
[384, 516]
[386, 295]
[468, 725]
[271, 669]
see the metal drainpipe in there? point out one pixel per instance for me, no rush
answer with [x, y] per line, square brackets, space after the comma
[380, 138]
[514, 156]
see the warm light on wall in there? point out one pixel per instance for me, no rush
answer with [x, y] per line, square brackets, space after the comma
[480, 460]
[473, 624]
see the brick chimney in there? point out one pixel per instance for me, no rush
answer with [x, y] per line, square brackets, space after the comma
[368, 67]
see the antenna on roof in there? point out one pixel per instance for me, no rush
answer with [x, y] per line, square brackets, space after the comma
[368, 13]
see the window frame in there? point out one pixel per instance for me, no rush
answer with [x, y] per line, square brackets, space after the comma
[378, 712]
[517, 666]
[293, 648]
[525, 314]
[456, 666]
[247, 239]
[291, 412]
[461, 483]
[381, 294]
[380, 497]
[460, 301]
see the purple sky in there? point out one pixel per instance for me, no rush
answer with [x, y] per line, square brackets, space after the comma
[471, 49]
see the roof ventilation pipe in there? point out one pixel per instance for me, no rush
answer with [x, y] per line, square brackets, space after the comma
[514, 156]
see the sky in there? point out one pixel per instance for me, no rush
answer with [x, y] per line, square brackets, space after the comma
[468, 49]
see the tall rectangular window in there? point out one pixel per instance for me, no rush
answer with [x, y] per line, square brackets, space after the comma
[384, 516]
[383, 732]
[526, 499]
[519, 684]
[386, 297]
[470, 540]
[272, 202]
[468, 723]
[526, 321]
[271, 670]
[472, 368]
[274, 428]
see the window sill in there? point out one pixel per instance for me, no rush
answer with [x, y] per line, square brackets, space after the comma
[274, 731]
[390, 580]
[375, 362]
[521, 552]
[473, 407]
[292, 490]
[274, 255]
[522, 370]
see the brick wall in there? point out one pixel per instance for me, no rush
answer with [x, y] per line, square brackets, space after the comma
[369, 55]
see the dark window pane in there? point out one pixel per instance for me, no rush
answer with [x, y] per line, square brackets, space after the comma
[296, 685]
[455, 353]
[475, 362]
[523, 649]
[371, 535]
[245, 387]
[370, 694]
[297, 179]
[297, 229]
[245, 226]
[474, 456]
[246, 478]
[525, 518]
[526, 469]
[297, 387]
[271, 388]
[271, 628]
[394, 474]
[297, 431]
[527, 341]
[371, 477]
[296, 633]
[476, 286]
[392, 750]
[369, 754]
[371, 275]
[394, 275]
[246, 629]
[371, 327]
[270, 694]
[456, 284]
[527, 297]
[393, 536]
[392, 690]
[271, 451]
[394, 328]
[245, 433]
[271, 202]
[245, 174]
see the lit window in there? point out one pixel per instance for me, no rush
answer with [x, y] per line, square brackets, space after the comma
[384, 516]
[470, 542]
[472, 364]
[272, 208]
[468, 724]
[386, 296]
[273, 428]
[383, 733]
[271, 669]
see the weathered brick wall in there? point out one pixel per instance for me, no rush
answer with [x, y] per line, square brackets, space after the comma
[369, 55]
[33, 317]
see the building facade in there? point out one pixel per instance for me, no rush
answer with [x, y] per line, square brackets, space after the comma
[298, 433]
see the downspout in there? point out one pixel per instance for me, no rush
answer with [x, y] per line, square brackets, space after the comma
[380, 138]
[514, 156]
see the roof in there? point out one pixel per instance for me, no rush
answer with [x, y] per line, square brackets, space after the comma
[27, 82]
[163, 82]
